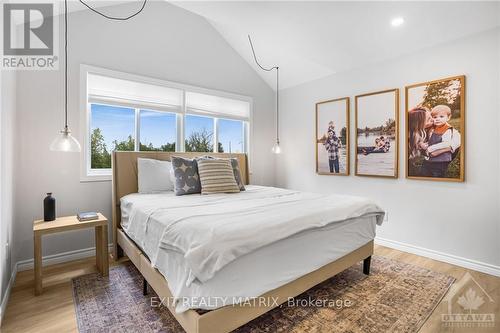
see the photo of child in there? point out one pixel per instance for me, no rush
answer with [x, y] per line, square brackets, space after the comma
[435, 121]
[382, 145]
[376, 134]
[332, 144]
[332, 148]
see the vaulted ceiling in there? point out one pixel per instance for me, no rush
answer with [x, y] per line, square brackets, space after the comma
[310, 40]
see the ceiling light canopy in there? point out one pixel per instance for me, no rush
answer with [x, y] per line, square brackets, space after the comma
[397, 21]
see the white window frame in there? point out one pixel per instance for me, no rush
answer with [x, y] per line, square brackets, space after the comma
[87, 174]
[244, 133]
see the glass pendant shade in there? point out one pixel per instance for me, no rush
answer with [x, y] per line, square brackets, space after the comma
[65, 142]
[276, 148]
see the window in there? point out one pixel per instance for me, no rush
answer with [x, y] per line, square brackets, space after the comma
[157, 131]
[199, 133]
[111, 128]
[230, 136]
[135, 113]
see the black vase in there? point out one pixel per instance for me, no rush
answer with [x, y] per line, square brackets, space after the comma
[49, 208]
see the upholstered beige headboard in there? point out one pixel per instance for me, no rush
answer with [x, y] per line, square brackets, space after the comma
[124, 164]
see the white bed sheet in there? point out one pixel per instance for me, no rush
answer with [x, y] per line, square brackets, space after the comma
[255, 273]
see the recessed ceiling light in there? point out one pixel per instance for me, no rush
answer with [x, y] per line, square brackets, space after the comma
[396, 22]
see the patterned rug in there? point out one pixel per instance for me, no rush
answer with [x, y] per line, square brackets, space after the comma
[396, 297]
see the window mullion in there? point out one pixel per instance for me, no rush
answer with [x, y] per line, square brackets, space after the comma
[89, 138]
[137, 129]
[181, 126]
[216, 135]
[246, 135]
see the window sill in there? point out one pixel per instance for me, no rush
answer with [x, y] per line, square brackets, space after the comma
[95, 178]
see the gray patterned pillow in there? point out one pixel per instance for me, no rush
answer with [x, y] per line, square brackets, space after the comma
[205, 157]
[237, 173]
[187, 180]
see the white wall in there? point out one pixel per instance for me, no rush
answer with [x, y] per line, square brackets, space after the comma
[498, 124]
[460, 219]
[163, 42]
[3, 263]
[7, 124]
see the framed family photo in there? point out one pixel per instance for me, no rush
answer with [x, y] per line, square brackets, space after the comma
[435, 130]
[377, 129]
[332, 137]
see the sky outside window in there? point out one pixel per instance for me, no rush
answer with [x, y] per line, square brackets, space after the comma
[115, 123]
[197, 124]
[158, 129]
[230, 134]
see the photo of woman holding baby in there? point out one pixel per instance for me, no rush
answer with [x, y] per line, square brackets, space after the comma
[435, 123]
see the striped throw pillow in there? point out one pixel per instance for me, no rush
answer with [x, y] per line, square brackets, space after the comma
[236, 169]
[216, 176]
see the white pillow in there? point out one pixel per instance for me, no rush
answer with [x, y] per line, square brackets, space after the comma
[153, 176]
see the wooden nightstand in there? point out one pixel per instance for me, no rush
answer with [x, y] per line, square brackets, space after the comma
[66, 224]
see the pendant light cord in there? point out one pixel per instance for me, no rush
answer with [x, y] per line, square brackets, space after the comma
[277, 88]
[115, 17]
[277, 105]
[255, 58]
[66, 46]
[66, 65]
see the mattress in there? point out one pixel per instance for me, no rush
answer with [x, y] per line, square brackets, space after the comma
[252, 274]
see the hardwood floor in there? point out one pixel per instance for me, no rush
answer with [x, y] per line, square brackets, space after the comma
[490, 283]
[53, 311]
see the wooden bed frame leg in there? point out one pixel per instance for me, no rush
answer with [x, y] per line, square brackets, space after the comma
[144, 287]
[119, 251]
[366, 265]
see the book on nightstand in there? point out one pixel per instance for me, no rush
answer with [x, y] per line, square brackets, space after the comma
[87, 216]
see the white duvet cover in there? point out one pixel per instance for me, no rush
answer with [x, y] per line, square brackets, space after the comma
[197, 241]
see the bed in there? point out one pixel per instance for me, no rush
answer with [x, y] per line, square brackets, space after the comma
[297, 250]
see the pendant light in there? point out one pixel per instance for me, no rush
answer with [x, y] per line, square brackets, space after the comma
[65, 141]
[276, 148]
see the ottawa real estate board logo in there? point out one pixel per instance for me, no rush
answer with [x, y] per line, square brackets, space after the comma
[29, 35]
[469, 307]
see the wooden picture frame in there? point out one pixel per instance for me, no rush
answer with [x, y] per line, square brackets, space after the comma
[453, 98]
[332, 112]
[385, 135]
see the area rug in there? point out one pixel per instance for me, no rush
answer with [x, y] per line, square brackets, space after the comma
[395, 297]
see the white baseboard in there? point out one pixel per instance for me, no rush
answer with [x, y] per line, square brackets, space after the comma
[5, 298]
[59, 258]
[440, 256]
